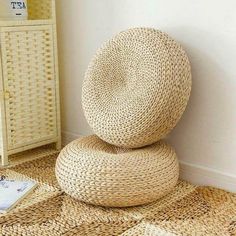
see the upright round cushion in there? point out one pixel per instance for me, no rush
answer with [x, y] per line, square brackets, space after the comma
[96, 172]
[136, 88]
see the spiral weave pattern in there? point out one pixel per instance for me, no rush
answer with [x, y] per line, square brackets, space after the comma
[93, 171]
[136, 88]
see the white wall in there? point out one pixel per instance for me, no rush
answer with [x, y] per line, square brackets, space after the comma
[205, 139]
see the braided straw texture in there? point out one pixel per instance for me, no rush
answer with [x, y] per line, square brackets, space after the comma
[187, 210]
[136, 88]
[93, 171]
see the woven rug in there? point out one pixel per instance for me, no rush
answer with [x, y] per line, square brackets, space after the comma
[188, 210]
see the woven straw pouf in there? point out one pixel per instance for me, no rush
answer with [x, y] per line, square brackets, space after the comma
[136, 88]
[99, 173]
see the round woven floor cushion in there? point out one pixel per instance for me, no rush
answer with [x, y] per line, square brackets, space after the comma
[136, 88]
[98, 173]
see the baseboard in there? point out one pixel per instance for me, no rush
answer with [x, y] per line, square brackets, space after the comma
[201, 175]
[195, 174]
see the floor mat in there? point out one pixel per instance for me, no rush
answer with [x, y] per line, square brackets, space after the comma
[188, 210]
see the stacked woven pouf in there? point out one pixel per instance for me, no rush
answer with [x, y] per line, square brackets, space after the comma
[135, 90]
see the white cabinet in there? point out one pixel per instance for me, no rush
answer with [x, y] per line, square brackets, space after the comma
[29, 89]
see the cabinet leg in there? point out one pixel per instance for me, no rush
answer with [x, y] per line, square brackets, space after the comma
[58, 145]
[4, 158]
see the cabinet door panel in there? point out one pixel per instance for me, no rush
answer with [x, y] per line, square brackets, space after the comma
[29, 84]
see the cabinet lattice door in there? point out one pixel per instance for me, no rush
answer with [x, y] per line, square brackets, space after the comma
[29, 84]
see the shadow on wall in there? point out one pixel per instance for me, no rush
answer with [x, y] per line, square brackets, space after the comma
[206, 130]
[82, 27]
[72, 44]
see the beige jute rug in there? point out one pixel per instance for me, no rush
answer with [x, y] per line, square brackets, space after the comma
[188, 210]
